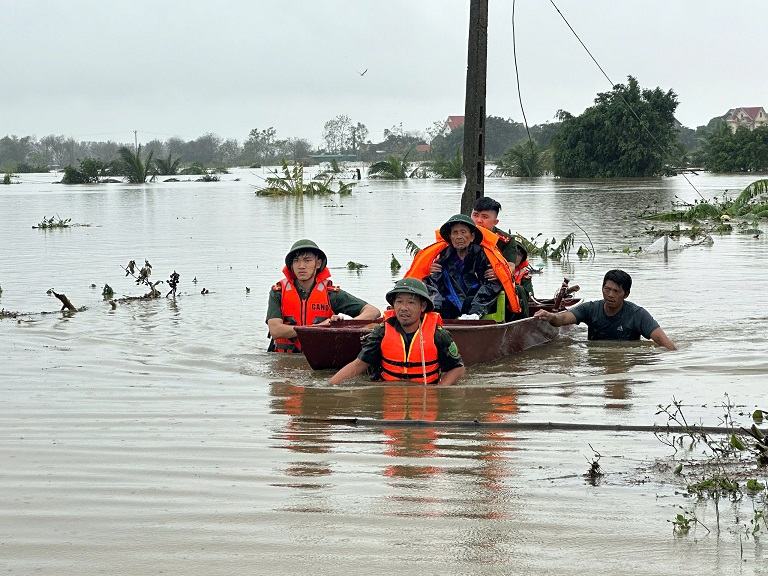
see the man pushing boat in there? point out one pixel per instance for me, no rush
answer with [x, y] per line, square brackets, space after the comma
[613, 317]
[410, 344]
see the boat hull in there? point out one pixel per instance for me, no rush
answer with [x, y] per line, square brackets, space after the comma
[479, 341]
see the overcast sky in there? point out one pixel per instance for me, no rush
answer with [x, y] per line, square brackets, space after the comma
[98, 70]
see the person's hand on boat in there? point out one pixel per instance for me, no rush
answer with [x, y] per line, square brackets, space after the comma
[335, 318]
[435, 268]
[490, 275]
[469, 317]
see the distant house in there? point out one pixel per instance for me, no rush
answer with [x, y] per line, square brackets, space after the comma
[454, 122]
[423, 148]
[749, 118]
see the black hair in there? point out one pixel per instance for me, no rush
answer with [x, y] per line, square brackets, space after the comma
[486, 203]
[620, 277]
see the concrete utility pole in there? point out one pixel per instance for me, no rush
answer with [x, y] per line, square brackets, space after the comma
[474, 105]
[135, 142]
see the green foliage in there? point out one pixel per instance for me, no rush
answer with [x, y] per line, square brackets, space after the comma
[754, 486]
[608, 141]
[393, 168]
[107, 292]
[741, 151]
[752, 202]
[394, 265]
[355, 265]
[134, 168]
[411, 247]
[7, 178]
[168, 166]
[448, 167]
[550, 249]
[523, 160]
[194, 169]
[714, 486]
[291, 183]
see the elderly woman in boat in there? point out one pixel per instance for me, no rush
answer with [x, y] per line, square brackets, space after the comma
[410, 344]
[454, 270]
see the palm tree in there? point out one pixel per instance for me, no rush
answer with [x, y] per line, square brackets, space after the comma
[134, 168]
[393, 168]
[168, 167]
[449, 167]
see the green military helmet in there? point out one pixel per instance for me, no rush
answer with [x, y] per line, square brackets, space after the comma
[445, 229]
[305, 245]
[410, 286]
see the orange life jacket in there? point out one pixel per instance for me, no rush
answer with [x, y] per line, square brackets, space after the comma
[424, 258]
[521, 272]
[298, 312]
[397, 363]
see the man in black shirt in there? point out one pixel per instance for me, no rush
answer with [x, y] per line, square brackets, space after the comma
[612, 318]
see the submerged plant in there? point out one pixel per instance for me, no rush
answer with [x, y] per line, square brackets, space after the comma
[393, 168]
[133, 167]
[524, 160]
[53, 222]
[448, 167]
[291, 183]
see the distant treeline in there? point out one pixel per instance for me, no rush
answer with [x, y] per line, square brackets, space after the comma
[609, 139]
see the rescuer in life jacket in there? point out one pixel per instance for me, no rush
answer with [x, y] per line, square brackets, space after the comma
[410, 344]
[306, 296]
[522, 271]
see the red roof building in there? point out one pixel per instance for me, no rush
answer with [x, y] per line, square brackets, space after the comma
[454, 122]
[748, 117]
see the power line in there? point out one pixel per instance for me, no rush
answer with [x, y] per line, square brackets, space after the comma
[627, 104]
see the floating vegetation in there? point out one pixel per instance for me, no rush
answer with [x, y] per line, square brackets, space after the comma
[107, 292]
[65, 302]
[291, 183]
[355, 265]
[551, 249]
[394, 265]
[8, 313]
[411, 247]
[752, 202]
[208, 178]
[722, 466]
[173, 282]
[55, 222]
[7, 178]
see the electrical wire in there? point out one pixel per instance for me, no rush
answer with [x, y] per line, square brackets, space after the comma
[627, 104]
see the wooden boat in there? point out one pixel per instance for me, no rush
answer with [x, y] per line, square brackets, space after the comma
[479, 341]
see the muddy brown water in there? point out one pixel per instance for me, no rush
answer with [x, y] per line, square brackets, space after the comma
[160, 437]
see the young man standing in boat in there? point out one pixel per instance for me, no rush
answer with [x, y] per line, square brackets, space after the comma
[306, 296]
[410, 344]
[613, 317]
[485, 213]
[456, 271]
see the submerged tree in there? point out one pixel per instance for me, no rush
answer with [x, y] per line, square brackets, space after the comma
[133, 167]
[448, 167]
[524, 159]
[393, 168]
[168, 166]
[607, 140]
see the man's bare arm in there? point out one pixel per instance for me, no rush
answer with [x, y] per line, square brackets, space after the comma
[563, 318]
[279, 329]
[351, 370]
[661, 339]
[452, 376]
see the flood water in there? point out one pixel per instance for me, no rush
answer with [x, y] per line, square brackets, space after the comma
[161, 437]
